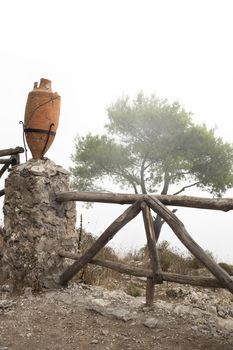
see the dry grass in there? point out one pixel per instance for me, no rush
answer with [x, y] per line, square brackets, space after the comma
[171, 260]
[97, 275]
[227, 267]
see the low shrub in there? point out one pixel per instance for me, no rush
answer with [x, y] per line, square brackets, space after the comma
[194, 263]
[133, 290]
[171, 259]
[94, 274]
[228, 268]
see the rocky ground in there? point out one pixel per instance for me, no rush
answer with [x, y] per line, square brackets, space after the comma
[89, 317]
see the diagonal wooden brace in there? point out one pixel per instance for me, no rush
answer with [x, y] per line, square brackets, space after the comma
[106, 236]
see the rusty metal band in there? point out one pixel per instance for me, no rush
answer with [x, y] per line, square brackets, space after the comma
[41, 131]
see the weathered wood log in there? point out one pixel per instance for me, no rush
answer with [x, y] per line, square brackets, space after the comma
[13, 160]
[224, 204]
[4, 160]
[150, 291]
[10, 151]
[2, 192]
[178, 228]
[153, 253]
[119, 267]
[5, 167]
[108, 234]
[151, 242]
[207, 282]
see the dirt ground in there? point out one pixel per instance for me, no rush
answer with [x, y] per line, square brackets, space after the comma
[86, 317]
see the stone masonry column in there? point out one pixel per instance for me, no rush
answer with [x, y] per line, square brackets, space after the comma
[35, 225]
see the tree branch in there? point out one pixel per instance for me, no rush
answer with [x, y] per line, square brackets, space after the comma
[184, 188]
[127, 176]
[148, 165]
[135, 188]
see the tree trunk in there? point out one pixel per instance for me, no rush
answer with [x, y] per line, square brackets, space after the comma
[143, 185]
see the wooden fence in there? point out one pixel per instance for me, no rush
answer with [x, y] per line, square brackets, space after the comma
[144, 204]
[12, 159]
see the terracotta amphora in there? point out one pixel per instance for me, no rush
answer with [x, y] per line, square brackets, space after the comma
[41, 118]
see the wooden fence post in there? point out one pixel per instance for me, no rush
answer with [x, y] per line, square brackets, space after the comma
[153, 254]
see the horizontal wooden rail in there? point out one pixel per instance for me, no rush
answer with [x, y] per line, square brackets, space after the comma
[11, 151]
[224, 204]
[207, 282]
[4, 160]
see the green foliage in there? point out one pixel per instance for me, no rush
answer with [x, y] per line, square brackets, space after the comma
[133, 290]
[97, 157]
[153, 144]
[171, 259]
[228, 268]
[195, 263]
[210, 159]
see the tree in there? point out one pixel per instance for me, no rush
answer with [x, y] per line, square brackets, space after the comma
[151, 145]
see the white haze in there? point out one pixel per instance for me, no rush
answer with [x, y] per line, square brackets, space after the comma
[95, 51]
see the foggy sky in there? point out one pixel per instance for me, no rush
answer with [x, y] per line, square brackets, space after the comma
[96, 51]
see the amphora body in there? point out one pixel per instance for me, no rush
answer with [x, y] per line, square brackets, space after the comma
[41, 118]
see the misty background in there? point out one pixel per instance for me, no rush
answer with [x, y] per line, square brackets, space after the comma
[97, 51]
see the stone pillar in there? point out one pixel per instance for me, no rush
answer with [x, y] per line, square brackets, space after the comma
[35, 225]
